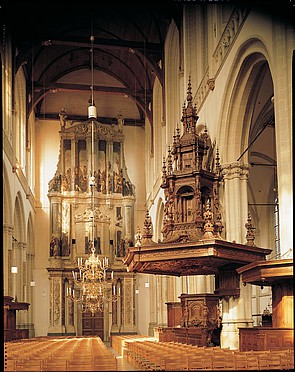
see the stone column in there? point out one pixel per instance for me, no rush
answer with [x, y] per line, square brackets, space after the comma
[128, 304]
[30, 292]
[22, 284]
[235, 176]
[116, 311]
[17, 276]
[236, 312]
[162, 298]
[153, 290]
[179, 287]
[186, 284]
[7, 246]
[191, 282]
[56, 307]
[201, 284]
[283, 43]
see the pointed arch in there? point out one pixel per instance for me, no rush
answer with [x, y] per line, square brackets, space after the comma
[7, 197]
[247, 133]
[173, 80]
[30, 235]
[235, 121]
[19, 219]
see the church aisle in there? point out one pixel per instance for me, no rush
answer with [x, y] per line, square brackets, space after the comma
[122, 363]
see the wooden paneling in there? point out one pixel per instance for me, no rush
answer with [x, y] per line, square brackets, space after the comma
[166, 334]
[10, 307]
[266, 338]
[191, 336]
[282, 304]
[15, 334]
[174, 311]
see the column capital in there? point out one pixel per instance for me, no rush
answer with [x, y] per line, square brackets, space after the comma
[8, 229]
[23, 245]
[235, 170]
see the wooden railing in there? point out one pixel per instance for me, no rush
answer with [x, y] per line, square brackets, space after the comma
[266, 338]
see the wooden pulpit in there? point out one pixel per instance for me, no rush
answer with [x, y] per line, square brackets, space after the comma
[191, 320]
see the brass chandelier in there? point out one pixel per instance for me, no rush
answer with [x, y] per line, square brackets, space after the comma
[94, 284]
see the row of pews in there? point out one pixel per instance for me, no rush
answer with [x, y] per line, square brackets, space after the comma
[119, 342]
[59, 354]
[147, 354]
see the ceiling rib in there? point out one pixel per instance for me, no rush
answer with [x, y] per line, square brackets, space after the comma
[111, 43]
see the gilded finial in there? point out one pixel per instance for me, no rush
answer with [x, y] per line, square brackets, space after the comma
[208, 227]
[250, 236]
[138, 237]
[147, 227]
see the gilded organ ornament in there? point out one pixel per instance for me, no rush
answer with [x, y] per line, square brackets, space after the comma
[69, 190]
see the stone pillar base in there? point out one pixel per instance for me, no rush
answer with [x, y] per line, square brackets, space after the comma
[230, 333]
[114, 329]
[56, 331]
[70, 330]
[128, 329]
[151, 331]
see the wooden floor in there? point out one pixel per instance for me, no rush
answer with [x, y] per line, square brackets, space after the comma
[134, 353]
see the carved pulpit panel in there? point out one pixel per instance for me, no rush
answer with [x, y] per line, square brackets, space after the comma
[199, 310]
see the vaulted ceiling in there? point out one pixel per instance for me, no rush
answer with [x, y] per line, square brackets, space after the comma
[56, 54]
